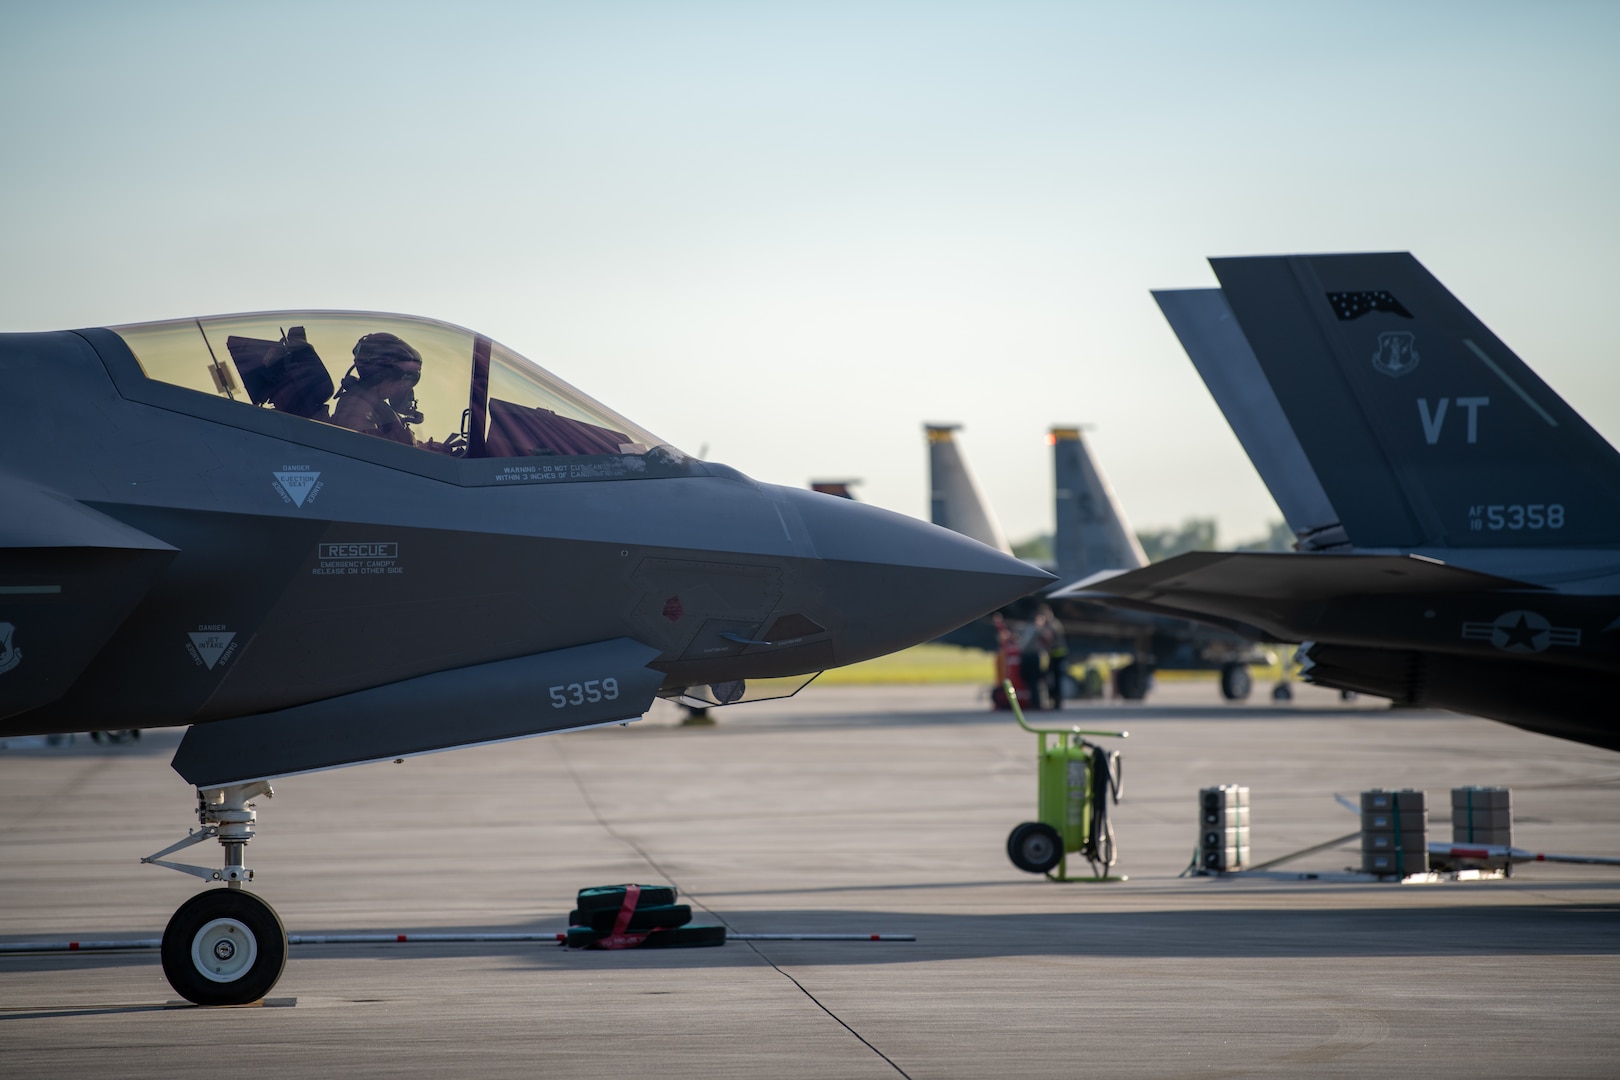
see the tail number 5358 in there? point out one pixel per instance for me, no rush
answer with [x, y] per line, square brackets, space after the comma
[1497, 517]
[589, 692]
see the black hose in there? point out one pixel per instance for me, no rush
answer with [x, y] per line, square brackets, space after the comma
[1107, 783]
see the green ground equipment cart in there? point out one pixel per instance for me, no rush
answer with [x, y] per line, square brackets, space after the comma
[1076, 781]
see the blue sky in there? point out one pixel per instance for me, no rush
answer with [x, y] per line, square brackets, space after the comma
[793, 233]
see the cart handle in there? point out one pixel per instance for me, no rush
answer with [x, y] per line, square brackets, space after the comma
[1018, 714]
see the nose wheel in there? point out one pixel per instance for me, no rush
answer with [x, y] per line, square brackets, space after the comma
[224, 947]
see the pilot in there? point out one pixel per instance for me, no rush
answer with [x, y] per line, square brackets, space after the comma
[385, 371]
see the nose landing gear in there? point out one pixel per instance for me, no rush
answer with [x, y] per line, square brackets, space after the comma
[225, 946]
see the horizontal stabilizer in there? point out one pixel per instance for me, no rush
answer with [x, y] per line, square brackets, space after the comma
[529, 695]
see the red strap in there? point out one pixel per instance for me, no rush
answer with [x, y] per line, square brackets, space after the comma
[620, 938]
[632, 894]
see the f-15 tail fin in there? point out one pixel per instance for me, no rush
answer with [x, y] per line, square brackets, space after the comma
[1420, 428]
[1091, 533]
[955, 501]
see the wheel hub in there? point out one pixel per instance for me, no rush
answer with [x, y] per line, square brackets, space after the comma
[1037, 848]
[223, 950]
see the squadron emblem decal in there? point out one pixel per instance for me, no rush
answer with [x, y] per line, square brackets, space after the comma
[10, 655]
[1521, 631]
[1397, 353]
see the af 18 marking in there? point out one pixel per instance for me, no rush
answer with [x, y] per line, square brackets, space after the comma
[1515, 516]
[590, 691]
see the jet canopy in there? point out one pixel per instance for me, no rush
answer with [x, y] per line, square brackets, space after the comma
[418, 382]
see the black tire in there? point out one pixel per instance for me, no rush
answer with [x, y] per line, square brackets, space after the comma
[224, 947]
[1235, 682]
[1035, 847]
[1133, 681]
[1282, 692]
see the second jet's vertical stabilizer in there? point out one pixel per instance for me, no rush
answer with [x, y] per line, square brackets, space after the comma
[955, 501]
[1216, 345]
[1424, 429]
[1092, 533]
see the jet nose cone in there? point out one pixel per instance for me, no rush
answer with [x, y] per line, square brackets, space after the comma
[898, 581]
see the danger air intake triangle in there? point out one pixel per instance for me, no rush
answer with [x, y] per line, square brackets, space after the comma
[297, 485]
[211, 645]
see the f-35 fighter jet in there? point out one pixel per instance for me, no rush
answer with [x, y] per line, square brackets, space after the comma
[1458, 523]
[328, 538]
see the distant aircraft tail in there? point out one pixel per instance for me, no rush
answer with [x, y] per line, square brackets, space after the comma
[844, 489]
[955, 500]
[1092, 533]
[1404, 421]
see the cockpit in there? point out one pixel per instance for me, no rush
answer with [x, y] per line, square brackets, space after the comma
[421, 383]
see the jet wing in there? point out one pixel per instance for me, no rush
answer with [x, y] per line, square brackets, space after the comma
[69, 576]
[1277, 592]
[1148, 612]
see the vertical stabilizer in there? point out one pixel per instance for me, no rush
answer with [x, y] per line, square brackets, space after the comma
[1424, 429]
[844, 489]
[1091, 533]
[1204, 323]
[955, 501]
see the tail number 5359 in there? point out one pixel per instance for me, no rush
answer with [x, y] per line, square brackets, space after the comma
[589, 692]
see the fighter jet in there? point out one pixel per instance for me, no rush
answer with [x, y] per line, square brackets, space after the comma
[327, 538]
[1092, 535]
[1457, 523]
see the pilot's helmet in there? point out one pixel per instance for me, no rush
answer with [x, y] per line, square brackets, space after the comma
[380, 352]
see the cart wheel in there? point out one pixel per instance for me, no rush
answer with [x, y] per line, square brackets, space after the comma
[1035, 847]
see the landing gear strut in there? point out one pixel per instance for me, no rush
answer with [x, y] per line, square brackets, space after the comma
[225, 946]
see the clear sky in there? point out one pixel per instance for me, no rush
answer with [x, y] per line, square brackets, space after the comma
[792, 233]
